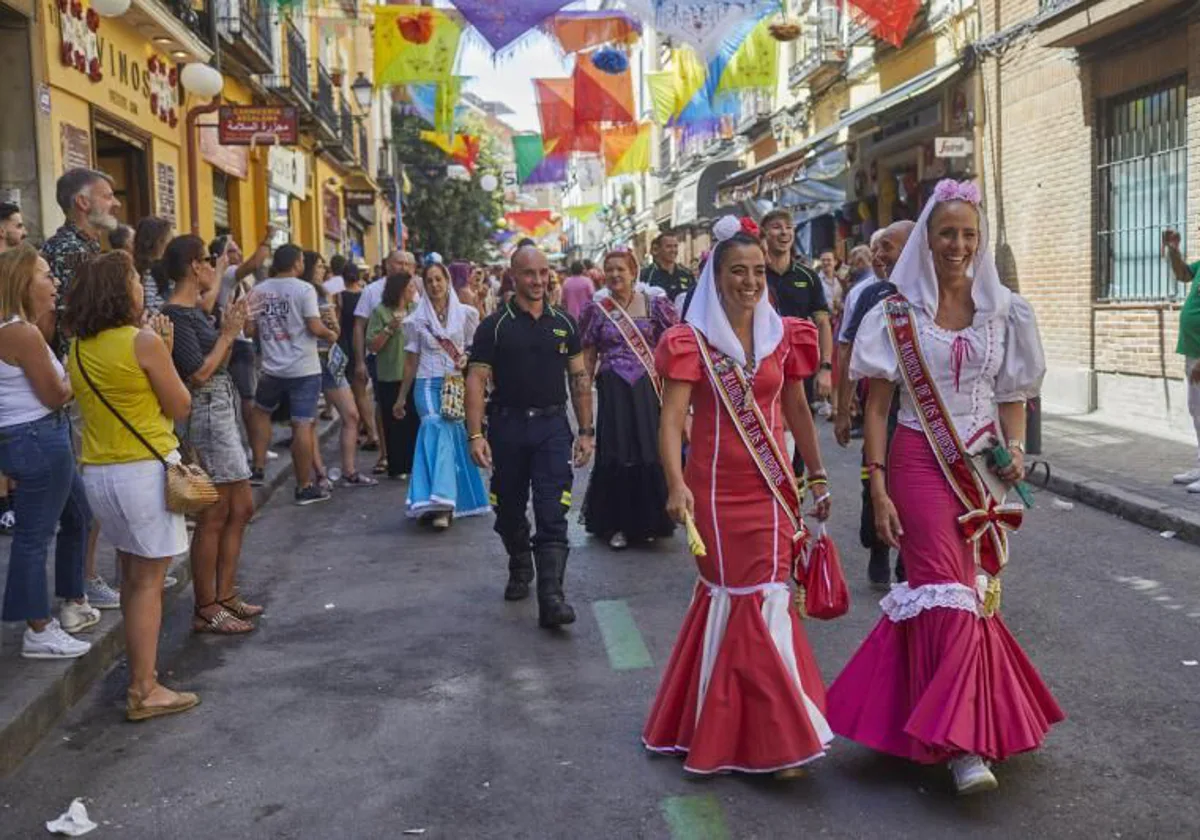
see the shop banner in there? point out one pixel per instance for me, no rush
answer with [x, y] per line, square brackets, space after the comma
[287, 170]
[232, 160]
[355, 198]
[249, 125]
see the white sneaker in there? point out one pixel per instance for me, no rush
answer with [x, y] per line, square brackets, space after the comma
[52, 643]
[100, 595]
[272, 455]
[75, 618]
[1194, 487]
[618, 541]
[971, 775]
[1189, 477]
[441, 522]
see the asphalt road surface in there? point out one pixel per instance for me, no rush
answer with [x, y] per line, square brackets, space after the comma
[391, 689]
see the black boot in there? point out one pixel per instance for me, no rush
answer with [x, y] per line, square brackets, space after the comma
[900, 576]
[553, 609]
[878, 571]
[520, 575]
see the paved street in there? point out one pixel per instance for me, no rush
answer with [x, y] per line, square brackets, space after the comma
[390, 689]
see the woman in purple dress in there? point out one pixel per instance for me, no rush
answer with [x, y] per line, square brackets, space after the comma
[627, 496]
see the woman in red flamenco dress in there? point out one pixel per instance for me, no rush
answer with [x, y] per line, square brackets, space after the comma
[741, 691]
[941, 679]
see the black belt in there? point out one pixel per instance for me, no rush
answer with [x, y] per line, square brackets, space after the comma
[528, 413]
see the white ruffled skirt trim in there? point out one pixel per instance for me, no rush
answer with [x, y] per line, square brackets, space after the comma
[904, 603]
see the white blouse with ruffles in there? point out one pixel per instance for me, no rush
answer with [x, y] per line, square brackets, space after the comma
[992, 362]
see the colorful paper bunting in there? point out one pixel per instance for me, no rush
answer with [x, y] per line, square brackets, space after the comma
[501, 22]
[627, 149]
[753, 62]
[536, 223]
[537, 161]
[579, 31]
[414, 44]
[582, 212]
[437, 103]
[556, 111]
[462, 149]
[704, 24]
[890, 19]
[601, 96]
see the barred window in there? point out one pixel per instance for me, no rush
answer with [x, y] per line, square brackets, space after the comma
[1142, 189]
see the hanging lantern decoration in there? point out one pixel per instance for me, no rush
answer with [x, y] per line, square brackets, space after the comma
[201, 79]
[784, 30]
[610, 60]
[110, 8]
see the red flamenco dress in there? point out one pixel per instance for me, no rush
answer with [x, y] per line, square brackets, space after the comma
[742, 690]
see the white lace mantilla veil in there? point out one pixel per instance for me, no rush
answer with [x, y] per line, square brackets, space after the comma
[916, 279]
[708, 315]
[456, 317]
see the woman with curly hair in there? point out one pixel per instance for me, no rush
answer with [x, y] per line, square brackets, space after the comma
[130, 395]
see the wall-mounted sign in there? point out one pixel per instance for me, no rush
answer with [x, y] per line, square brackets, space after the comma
[355, 198]
[76, 147]
[953, 147]
[287, 171]
[332, 211]
[246, 125]
[165, 189]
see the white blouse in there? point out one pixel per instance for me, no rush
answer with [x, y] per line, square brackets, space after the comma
[976, 369]
[436, 362]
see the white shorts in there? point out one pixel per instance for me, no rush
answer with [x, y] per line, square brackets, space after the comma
[130, 502]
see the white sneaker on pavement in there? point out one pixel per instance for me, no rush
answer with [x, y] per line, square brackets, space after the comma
[1189, 477]
[618, 541]
[1194, 487]
[52, 643]
[74, 618]
[100, 595]
[972, 775]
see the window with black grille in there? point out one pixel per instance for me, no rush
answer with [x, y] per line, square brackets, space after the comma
[1141, 189]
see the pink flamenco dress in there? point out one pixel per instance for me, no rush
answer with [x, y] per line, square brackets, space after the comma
[741, 691]
[936, 678]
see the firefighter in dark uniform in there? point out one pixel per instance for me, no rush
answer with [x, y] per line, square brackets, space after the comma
[664, 273]
[528, 350]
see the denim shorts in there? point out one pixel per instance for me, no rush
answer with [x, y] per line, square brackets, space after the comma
[212, 429]
[301, 391]
[328, 381]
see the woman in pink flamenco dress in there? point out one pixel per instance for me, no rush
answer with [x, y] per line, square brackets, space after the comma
[741, 691]
[941, 679]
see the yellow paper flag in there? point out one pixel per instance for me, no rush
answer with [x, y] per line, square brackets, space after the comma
[582, 212]
[662, 94]
[755, 64]
[626, 149]
[414, 44]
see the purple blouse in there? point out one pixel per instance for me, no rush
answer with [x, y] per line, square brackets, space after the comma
[598, 331]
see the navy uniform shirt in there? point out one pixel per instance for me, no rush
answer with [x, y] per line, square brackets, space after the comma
[674, 282]
[797, 292]
[528, 357]
[868, 300]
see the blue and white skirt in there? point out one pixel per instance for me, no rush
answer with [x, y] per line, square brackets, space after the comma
[444, 478]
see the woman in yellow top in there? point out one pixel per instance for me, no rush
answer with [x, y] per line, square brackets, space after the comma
[113, 360]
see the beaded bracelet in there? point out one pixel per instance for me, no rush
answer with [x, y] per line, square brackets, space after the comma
[873, 467]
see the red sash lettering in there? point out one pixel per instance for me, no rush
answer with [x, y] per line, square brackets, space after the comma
[634, 339]
[738, 400]
[985, 523]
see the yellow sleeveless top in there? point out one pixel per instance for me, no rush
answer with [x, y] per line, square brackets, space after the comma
[113, 367]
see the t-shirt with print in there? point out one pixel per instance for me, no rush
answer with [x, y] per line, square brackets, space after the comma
[281, 307]
[1189, 318]
[195, 337]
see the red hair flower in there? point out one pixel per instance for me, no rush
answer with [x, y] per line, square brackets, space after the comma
[750, 227]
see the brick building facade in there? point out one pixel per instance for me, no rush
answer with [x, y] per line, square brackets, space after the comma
[1089, 144]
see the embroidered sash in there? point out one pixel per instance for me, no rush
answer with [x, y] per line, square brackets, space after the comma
[738, 399]
[986, 522]
[634, 339]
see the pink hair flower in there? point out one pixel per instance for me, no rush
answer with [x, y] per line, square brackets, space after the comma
[951, 190]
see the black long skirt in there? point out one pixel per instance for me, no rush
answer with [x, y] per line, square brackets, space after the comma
[627, 491]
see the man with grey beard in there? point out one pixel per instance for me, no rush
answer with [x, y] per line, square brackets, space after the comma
[87, 200]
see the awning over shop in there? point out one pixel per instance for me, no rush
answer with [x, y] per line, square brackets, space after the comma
[784, 168]
[695, 196]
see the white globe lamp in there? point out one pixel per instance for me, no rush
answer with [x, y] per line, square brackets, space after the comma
[201, 79]
[489, 182]
[110, 8]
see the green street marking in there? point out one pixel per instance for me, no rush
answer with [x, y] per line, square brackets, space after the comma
[626, 650]
[695, 818]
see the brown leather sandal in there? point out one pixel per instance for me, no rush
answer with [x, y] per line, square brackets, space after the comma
[240, 608]
[220, 623]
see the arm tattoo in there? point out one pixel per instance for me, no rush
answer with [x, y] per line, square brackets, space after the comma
[580, 383]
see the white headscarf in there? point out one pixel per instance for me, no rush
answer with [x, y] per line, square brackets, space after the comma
[708, 315]
[426, 315]
[916, 278]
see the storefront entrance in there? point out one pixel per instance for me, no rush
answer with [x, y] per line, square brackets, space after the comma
[123, 157]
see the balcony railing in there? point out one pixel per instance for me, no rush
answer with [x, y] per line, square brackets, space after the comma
[324, 108]
[293, 82]
[247, 26]
[825, 57]
[348, 137]
[364, 148]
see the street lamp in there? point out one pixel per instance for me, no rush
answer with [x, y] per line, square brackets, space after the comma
[363, 92]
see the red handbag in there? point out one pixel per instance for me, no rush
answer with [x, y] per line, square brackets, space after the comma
[826, 593]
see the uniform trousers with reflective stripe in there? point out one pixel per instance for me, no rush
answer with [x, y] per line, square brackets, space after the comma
[531, 452]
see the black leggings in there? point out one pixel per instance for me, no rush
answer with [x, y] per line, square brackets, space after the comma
[400, 436]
